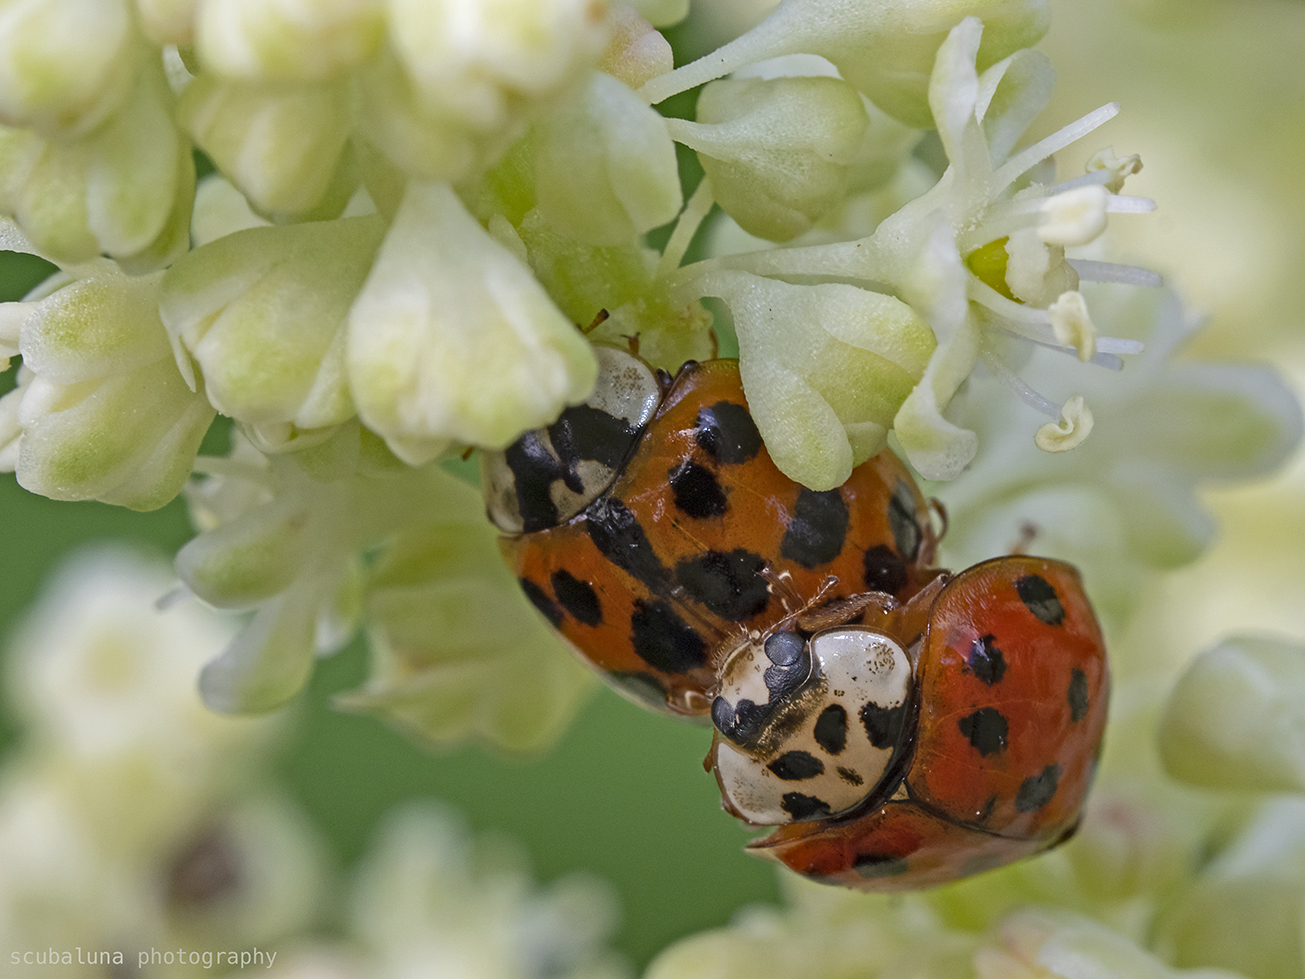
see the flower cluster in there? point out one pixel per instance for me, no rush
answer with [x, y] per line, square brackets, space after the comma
[424, 214]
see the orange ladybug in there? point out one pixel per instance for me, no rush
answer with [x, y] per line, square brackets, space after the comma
[901, 727]
[650, 526]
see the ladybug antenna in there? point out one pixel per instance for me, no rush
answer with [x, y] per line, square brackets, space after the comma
[932, 537]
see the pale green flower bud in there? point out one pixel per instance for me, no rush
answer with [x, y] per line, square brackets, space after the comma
[636, 52]
[126, 189]
[661, 13]
[287, 40]
[64, 64]
[778, 151]
[107, 415]
[885, 48]
[262, 312]
[455, 85]
[826, 368]
[453, 339]
[168, 21]
[443, 669]
[1245, 911]
[1236, 719]
[605, 169]
[280, 145]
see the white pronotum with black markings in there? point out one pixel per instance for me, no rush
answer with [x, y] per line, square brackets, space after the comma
[808, 729]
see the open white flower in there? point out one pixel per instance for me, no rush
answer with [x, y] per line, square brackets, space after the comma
[980, 257]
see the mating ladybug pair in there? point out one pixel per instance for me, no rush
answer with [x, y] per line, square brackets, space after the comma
[900, 726]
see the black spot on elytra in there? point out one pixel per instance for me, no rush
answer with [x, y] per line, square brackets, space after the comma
[616, 533]
[728, 433]
[901, 520]
[540, 600]
[884, 570]
[696, 491]
[1078, 696]
[883, 725]
[849, 776]
[577, 597]
[1041, 599]
[831, 729]
[1036, 790]
[730, 584]
[794, 766]
[818, 529]
[986, 660]
[639, 686]
[740, 724]
[872, 865]
[801, 806]
[986, 730]
[664, 641]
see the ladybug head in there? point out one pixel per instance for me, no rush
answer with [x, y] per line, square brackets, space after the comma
[550, 474]
[809, 729]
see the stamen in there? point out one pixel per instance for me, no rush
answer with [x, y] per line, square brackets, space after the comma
[1072, 324]
[1130, 275]
[1115, 168]
[1039, 151]
[691, 218]
[1074, 426]
[1097, 178]
[1016, 383]
[1075, 217]
[1118, 204]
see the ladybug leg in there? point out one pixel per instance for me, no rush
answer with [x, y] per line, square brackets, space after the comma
[1028, 533]
[932, 537]
[599, 319]
[844, 610]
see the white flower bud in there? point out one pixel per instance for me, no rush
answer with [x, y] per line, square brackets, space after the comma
[64, 64]
[287, 40]
[168, 22]
[1074, 217]
[1074, 426]
[476, 59]
[280, 145]
[605, 169]
[778, 151]
[453, 339]
[262, 311]
[1236, 719]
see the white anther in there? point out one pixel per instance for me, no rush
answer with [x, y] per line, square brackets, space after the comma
[1072, 325]
[1074, 217]
[1074, 426]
